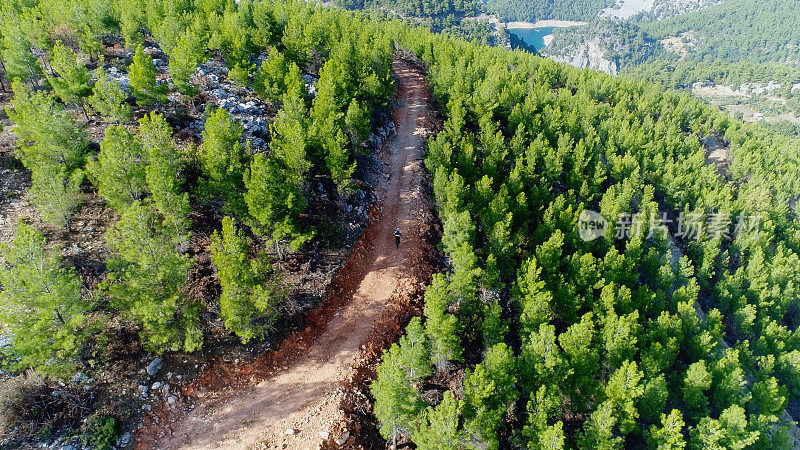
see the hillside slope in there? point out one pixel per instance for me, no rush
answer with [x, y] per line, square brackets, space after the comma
[302, 395]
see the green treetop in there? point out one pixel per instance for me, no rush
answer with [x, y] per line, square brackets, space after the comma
[147, 278]
[42, 306]
[119, 171]
[47, 134]
[221, 156]
[108, 98]
[56, 194]
[142, 75]
[161, 172]
[248, 306]
[74, 83]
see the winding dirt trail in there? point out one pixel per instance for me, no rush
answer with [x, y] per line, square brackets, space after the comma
[301, 395]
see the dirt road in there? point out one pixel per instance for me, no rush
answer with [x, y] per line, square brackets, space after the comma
[296, 406]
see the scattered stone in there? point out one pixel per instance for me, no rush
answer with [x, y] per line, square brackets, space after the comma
[78, 378]
[324, 434]
[290, 432]
[155, 366]
[343, 438]
[156, 386]
[124, 440]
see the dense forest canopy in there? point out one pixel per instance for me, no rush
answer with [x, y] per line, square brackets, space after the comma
[738, 30]
[749, 46]
[458, 18]
[648, 336]
[533, 10]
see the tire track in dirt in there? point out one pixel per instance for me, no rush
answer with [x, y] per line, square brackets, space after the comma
[300, 381]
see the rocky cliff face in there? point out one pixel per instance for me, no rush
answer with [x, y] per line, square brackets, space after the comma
[663, 9]
[589, 55]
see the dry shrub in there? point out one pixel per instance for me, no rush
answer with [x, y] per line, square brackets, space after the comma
[16, 404]
[30, 408]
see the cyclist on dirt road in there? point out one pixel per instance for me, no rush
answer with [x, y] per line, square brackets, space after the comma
[397, 238]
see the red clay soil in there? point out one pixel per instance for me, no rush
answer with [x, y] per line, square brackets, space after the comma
[292, 396]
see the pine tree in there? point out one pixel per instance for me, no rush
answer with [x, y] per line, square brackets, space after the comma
[581, 351]
[47, 134]
[18, 58]
[599, 429]
[221, 157]
[132, 21]
[464, 282]
[534, 299]
[270, 80]
[493, 327]
[274, 202]
[542, 406]
[769, 397]
[119, 171]
[142, 75]
[42, 306]
[670, 435]
[146, 281]
[109, 99]
[414, 353]
[551, 438]
[337, 156]
[274, 184]
[439, 427]
[89, 43]
[289, 138]
[731, 431]
[357, 123]
[620, 337]
[248, 307]
[457, 229]
[542, 361]
[326, 120]
[161, 174]
[73, 83]
[397, 402]
[488, 392]
[695, 383]
[654, 399]
[623, 392]
[56, 194]
[442, 327]
[184, 59]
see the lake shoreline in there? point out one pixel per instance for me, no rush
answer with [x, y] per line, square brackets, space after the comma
[543, 24]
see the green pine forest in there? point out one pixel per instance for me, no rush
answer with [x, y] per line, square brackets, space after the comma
[531, 337]
[533, 10]
[733, 43]
[641, 342]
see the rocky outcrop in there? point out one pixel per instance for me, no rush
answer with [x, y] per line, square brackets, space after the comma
[589, 55]
[663, 9]
[240, 103]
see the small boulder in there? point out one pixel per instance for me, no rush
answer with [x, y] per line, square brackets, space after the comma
[155, 366]
[343, 438]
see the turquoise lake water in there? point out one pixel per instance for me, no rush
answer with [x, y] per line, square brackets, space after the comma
[533, 36]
